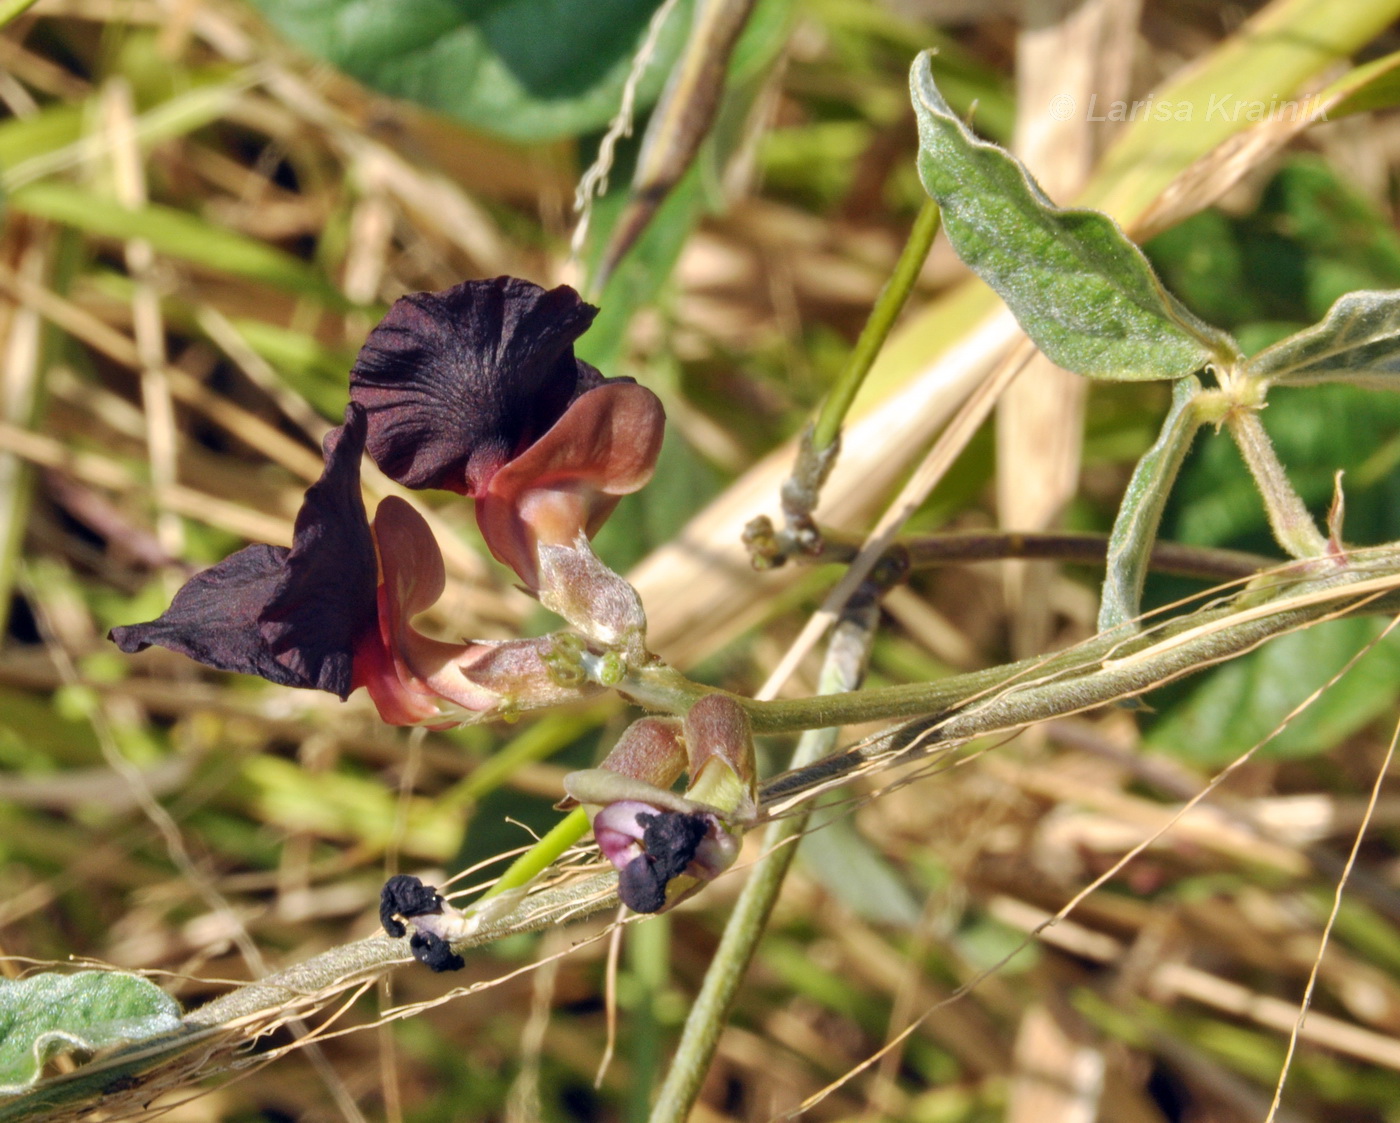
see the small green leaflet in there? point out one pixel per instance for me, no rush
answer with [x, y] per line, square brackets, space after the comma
[44, 1016]
[1358, 341]
[1079, 288]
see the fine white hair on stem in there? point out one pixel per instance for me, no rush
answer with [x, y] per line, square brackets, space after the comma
[594, 181]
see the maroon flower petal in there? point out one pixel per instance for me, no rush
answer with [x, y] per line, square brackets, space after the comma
[425, 673]
[458, 382]
[214, 617]
[294, 616]
[327, 598]
[569, 481]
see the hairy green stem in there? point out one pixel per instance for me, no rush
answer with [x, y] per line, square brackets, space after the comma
[1293, 527]
[662, 688]
[887, 307]
[841, 671]
[1140, 513]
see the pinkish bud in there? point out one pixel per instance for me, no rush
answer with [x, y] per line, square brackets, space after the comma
[719, 742]
[663, 845]
[649, 750]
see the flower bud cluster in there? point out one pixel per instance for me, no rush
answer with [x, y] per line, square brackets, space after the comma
[665, 845]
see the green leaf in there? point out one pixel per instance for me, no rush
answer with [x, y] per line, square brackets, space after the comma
[177, 234]
[1357, 342]
[839, 857]
[1079, 288]
[1242, 702]
[530, 70]
[48, 1015]
[1375, 85]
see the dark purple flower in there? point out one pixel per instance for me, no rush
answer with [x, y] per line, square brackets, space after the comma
[476, 390]
[319, 616]
[292, 616]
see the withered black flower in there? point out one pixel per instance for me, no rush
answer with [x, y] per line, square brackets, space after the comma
[406, 897]
[292, 616]
[670, 842]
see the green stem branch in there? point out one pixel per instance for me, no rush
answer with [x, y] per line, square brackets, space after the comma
[887, 307]
[542, 855]
[842, 671]
[1293, 527]
[930, 551]
[1140, 513]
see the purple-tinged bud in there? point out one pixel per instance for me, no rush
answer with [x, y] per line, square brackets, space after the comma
[618, 830]
[719, 742]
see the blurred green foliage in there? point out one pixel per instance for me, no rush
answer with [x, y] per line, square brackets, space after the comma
[530, 70]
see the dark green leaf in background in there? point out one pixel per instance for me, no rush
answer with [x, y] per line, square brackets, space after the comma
[1312, 239]
[1242, 703]
[529, 70]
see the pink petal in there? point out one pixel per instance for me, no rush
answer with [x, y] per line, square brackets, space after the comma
[413, 579]
[603, 447]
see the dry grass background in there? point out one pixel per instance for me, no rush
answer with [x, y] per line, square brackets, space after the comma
[163, 395]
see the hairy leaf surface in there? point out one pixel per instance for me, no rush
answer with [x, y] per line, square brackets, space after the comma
[48, 1015]
[1077, 285]
[1357, 342]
